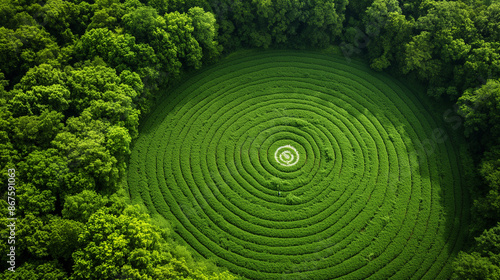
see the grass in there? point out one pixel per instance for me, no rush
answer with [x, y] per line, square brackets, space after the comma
[371, 194]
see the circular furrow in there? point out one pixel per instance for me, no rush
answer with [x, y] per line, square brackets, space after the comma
[297, 165]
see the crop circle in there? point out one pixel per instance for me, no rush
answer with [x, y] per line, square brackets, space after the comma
[298, 165]
[287, 155]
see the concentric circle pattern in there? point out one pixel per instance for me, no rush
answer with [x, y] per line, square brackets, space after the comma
[286, 155]
[298, 165]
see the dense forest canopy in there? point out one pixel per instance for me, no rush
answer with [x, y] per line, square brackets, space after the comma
[77, 77]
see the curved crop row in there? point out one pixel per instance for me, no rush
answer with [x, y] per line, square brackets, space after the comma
[297, 165]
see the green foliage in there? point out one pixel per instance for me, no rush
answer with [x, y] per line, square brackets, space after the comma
[59, 237]
[118, 50]
[488, 204]
[447, 44]
[115, 243]
[81, 206]
[480, 109]
[128, 246]
[143, 23]
[107, 14]
[205, 32]
[26, 47]
[8, 154]
[475, 266]
[484, 262]
[53, 97]
[96, 90]
[35, 201]
[384, 21]
[87, 151]
[57, 16]
[9, 46]
[488, 22]
[41, 75]
[279, 23]
[179, 28]
[41, 270]
[36, 130]
[99, 90]
[93, 166]
[173, 37]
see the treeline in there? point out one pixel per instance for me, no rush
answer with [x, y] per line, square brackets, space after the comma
[76, 77]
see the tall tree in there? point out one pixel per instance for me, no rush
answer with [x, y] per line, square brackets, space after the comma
[481, 110]
[179, 28]
[388, 30]
[81, 206]
[35, 132]
[128, 246]
[205, 32]
[484, 262]
[91, 164]
[119, 51]
[443, 43]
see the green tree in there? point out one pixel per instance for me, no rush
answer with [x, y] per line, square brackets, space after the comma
[323, 20]
[7, 11]
[441, 46]
[205, 32]
[480, 108]
[60, 236]
[53, 98]
[180, 28]
[129, 246]
[118, 50]
[390, 30]
[35, 201]
[46, 170]
[41, 75]
[35, 132]
[37, 270]
[117, 246]
[356, 9]
[488, 203]
[8, 153]
[418, 56]
[81, 206]
[56, 17]
[107, 14]
[483, 262]
[474, 266]
[10, 47]
[483, 62]
[161, 6]
[37, 47]
[92, 166]
[488, 22]
[143, 23]
[98, 90]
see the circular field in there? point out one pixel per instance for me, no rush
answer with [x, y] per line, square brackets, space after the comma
[298, 165]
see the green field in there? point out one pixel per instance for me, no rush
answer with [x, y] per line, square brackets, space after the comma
[299, 165]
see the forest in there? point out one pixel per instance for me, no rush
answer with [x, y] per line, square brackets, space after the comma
[79, 77]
